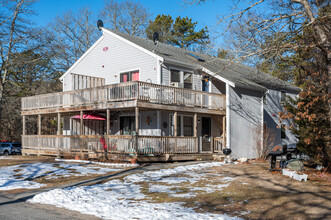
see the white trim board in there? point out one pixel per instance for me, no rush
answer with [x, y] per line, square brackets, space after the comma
[82, 57]
[218, 77]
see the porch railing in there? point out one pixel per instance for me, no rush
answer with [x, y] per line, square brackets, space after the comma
[218, 144]
[142, 145]
[141, 91]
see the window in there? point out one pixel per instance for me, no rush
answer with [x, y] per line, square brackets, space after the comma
[283, 132]
[181, 79]
[130, 76]
[184, 125]
[128, 125]
[187, 80]
[175, 77]
[188, 125]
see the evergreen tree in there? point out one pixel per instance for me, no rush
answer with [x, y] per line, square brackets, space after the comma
[181, 32]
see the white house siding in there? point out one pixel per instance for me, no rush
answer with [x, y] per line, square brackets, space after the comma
[148, 123]
[67, 86]
[112, 57]
[271, 118]
[245, 108]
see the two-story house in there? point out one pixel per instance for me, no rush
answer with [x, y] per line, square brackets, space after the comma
[133, 96]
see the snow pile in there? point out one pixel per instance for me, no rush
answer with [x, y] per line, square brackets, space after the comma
[21, 176]
[119, 199]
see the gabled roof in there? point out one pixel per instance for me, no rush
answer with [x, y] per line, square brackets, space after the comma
[241, 75]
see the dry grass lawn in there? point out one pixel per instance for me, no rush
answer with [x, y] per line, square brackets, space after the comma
[255, 193]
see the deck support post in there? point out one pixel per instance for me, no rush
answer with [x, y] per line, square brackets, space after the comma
[39, 124]
[23, 120]
[137, 127]
[81, 123]
[175, 130]
[39, 133]
[108, 122]
[195, 125]
[224, 134]
[195, 130]
[58, 132]
[175, 124]
[58, 124]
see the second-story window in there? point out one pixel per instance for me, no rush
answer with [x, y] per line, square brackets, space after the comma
[130, 76]
[187, 80]
[181, 79]
[175, 76]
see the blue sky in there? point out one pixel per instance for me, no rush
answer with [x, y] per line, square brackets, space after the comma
[205, 14]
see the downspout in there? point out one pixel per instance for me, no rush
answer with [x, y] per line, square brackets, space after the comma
[159, 81]
[227, 100]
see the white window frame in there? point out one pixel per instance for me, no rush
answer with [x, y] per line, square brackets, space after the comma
[127, 71]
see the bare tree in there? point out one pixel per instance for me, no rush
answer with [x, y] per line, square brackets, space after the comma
[262, 149]
[71, 35]
[15, 35]
[127, 16]
[263, 29]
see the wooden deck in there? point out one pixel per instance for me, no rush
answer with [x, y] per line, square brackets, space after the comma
[147, 148]
[125, 95]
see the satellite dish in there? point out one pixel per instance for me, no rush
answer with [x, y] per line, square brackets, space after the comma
[155, 37]
[99, 24]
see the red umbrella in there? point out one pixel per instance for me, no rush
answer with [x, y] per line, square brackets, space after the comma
[90, 116]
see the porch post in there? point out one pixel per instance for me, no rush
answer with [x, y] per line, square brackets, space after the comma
[58, 133]
[81, 123]
[137, 127]
[195, 125]
[175, 130]
[175, 124]
[39, 124]
[224, 121]
[23, 119]
[58, 124]
[108, 122]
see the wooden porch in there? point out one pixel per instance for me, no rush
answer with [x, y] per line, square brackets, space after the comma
[145, 148]
[125, 95]
[134, 97]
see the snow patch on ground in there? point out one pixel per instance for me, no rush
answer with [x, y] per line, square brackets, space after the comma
[22, 176]
[6, 157]
[119, 199]
[98, 163]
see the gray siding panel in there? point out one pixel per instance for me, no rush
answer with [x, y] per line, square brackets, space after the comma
[271, 109]
[217, 86]
[113, 56]
[245, 121]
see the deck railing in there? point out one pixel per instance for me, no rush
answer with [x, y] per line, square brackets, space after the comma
[218, 144]
[140, 91]
[141, 145]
